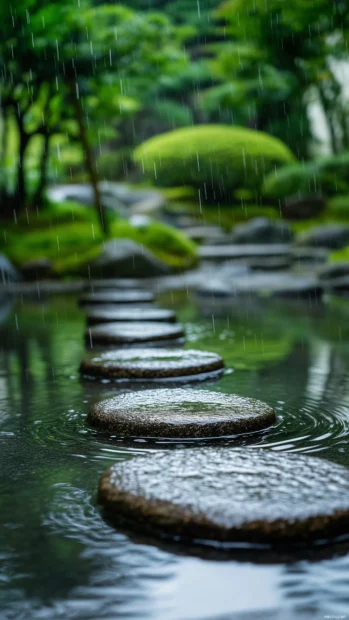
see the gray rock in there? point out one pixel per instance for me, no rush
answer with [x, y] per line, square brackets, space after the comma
[334, 270]
[122, 333]
[124, 258]
[37, 269]
[148, 364]
[331, 236]
[8, 273]
[281, 284]
[181, 413]
[243, 251]
[244, 494]
[339, 286]
[262, 230]
[309, 256]
[109, 314]
[117, 297]
[209, 234]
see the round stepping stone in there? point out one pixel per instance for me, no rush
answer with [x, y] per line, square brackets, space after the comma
[132, 333]
[113, 315]
[111, 283]
[232, 495]
[150, 364]
[117, 297]
[180, 413]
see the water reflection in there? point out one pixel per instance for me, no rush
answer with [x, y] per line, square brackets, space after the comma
[58, 556]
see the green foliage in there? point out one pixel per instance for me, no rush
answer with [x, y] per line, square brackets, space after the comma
[70, 245]
[216, 159]
[110, 164]
[326, 175]
[338, 206]
[339, 255]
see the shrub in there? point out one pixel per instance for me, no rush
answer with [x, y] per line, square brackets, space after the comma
[111, 164]
[338, 206]
[215, 159]
[326, 176]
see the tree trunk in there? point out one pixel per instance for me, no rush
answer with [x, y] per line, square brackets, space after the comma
[38, 196]
[89, 161]
[21, 190]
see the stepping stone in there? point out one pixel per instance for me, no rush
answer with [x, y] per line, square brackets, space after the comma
[180, 413]
[338, 286]
[150, 364]
[280, 284]
[132, 333]
[117, 297]
[230, 252]
[221, 494]
[107, 314]
[111, 283]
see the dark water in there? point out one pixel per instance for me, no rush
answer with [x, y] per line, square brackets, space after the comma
[59, 559]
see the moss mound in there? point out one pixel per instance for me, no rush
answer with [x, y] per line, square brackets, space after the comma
[72, 245]
[215, 159]
[326, 175]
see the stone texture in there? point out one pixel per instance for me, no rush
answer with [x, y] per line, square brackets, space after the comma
[243, 251]
[262, 230]
[331, 236]
[302, 207]
[151, 364]
[334, 270]
[132, 333]
[8, 273]
[117, 297]
[108, 314]
[280, 284]
[230, 494]
[123, 258]
[180, 413]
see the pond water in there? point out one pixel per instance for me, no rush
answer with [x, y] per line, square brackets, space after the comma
[59, 559]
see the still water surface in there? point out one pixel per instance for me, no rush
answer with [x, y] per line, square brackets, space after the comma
[59, 559]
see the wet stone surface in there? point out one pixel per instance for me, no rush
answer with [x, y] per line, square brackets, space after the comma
[281, 284]
[117, 297]
[181, 413]
[229, 495]
[132, 333]
[147, 364]
[110, 283]
[107, 314]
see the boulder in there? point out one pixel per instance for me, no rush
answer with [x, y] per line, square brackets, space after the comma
[262, 230]
[8, 273]
[331, 236]
[244, 251]
[37, 269]
[302, 207]
[334, 270]
[124, 258]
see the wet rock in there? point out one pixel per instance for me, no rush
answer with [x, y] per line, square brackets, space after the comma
[209, 234]
[251, 495]
[8, 273]
[116, 297]
[150, 364]
[180, 413]
[331, 236]
[132, 333]
[334, 270]
[37, 269]
[302, 207]
[262, 230]
[112, 315]
[243, 251]
[111, 283]
[338, 286]
[124, 258]
[308, 256]
[281, 284]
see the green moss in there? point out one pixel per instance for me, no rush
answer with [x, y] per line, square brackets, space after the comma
[71, 246]
[339, 255]
[215, 159]
[338, 207]
[326, 175]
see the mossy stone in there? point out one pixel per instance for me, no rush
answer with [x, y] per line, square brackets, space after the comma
[150, 364]
[184, 413]
[116, 297]
[221, 494]
[108, 314]
[132, 333]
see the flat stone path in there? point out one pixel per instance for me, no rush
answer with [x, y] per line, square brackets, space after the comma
[108, 314]
[152, 364]
[226, 494]
[117, 297]
[180, 413]
[132, 333]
